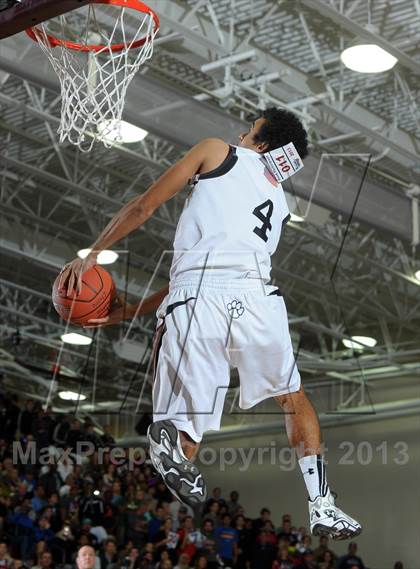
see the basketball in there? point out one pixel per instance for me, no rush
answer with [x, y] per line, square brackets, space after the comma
[94, 300]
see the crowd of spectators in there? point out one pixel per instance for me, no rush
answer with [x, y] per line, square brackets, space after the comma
[48, 511]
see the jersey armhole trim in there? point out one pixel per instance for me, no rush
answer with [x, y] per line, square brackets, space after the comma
[225, 167]
[286, 220]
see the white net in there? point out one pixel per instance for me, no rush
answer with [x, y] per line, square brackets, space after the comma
[94, 82]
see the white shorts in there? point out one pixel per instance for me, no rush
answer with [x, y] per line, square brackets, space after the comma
[205, 329]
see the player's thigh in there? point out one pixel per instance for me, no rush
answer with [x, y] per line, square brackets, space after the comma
[264, 352]
[192, 363]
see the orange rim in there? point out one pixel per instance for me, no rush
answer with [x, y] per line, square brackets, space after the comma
[133, 4]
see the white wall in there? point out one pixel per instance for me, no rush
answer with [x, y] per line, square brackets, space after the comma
[385, 498]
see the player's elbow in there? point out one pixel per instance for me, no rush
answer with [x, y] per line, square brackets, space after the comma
[142, 208]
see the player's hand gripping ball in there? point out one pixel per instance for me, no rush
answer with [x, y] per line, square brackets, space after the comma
[93, 300]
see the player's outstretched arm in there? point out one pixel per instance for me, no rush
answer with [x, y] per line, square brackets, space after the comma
[137, 211]
[130, 311]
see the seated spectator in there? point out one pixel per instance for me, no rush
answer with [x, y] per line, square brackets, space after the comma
[208, 547]
[109, 476]
[117, 497]
[308, 561]
[86, 558]
[40, 547]
[258, 524]
[244, 543]
[285, 531]
[74, 435]
[91, 506]
[166, 564]
[65, 467]
[86, 528]
[178, 511]
[227, 542]
[216, 496]
[148, 548]
[156, 522]
[138, 522]
[23, 529]
[63, 546]
[5, 559]
[268, 527]
[283, 559]
[351, 559]
[201, 562]
[187, 538]
[302, 546]
[233, 504]
[327, 561]
[166, 539]
[43, 531]
[39, 501]
[45, 561]
[5, 505]
[19, 564]
[27, 418]
[213, 513]
[301, 532]
[162, 493]
[54, 512]
[163, 556]
[322, 548]
[108, 556]
[398, 565]
[59, 433]
[183, 562]
[132, 560]
[28, 479]
[264, 552]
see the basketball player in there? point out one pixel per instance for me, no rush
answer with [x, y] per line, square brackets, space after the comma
[220, 312]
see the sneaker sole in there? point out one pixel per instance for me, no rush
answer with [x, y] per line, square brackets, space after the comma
[182, 478]
[336, 534]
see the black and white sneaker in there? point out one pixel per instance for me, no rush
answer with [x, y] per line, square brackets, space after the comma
[181, 476]
[326, 519]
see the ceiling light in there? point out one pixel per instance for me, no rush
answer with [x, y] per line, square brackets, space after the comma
[296, 218]
[71, 396]
[359, 342]
[76, 339]
[417, 275]
[105, 257]
[120, 131]
[368, 58]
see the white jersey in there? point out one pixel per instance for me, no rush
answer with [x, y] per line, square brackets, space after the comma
[231, 222]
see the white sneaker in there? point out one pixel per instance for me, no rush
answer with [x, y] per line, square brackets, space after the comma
[180, 475]
[326, 519]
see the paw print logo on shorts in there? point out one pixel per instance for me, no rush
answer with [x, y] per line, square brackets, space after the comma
[235, 308]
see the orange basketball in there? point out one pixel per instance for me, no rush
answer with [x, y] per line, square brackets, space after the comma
[94, 300]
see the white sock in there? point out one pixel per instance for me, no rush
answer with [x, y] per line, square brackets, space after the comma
[313, 470]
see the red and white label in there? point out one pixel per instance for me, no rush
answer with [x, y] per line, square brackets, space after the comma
[283, 162]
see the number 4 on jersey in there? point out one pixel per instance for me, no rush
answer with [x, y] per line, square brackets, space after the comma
[265, 218]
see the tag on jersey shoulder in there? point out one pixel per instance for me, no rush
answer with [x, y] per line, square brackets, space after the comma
[284, 161]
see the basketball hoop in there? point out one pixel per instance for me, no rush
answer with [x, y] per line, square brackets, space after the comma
[96, 51]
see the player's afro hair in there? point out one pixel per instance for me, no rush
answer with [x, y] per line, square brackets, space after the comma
[280, 128]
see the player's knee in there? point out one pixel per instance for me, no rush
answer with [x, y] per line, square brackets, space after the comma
[287, 399]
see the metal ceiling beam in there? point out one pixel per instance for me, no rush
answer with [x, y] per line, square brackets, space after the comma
[357, 117]
[346, 23]
[51, 119]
